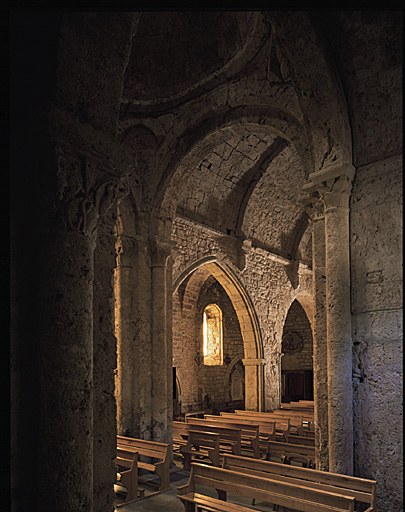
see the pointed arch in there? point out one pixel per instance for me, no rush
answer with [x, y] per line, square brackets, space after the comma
[248, 322]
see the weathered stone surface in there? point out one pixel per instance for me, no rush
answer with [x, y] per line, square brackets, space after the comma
[211, 124]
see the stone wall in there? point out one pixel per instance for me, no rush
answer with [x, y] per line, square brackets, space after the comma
[212, 380]
[264, 280]
[376, 252]
[297, 322]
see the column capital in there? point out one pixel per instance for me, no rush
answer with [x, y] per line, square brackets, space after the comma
[333, 186]
[254, 362]
[82, 194]
[160, 250]
[124, 248]
[314, 206]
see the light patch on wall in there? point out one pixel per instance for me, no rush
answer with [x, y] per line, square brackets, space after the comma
[212, 335]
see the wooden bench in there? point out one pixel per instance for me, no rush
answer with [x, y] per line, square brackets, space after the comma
[249, 433]
[129, 478]
[363, 490]
[267, 429]
[230, 438]
[282, 425]
[199, 413]
[180, 434]
[150, 449]
[290, 451]
[309, 441]
[205, 444]
[290, 495]
[304, 418]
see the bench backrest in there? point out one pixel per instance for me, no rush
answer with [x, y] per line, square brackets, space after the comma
[362, 489]
[246, 429]
[148, 448]
[281, 423]
[228, 434]
[266, 427]
[181, 428]
[274, 491]
[291, 448]
[309, 441]
[202, 439]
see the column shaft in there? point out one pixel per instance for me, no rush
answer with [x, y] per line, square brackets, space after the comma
[320, 345]
[66, 372]
[104, 363]
[125, 334]
[340, 389]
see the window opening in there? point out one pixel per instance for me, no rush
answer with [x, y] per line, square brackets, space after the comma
[212, 335]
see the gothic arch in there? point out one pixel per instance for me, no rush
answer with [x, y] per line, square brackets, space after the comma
[249, 326]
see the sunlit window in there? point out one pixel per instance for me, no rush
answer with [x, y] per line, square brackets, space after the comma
[212, 335]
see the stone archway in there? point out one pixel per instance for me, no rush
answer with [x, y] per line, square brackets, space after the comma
[252, 346]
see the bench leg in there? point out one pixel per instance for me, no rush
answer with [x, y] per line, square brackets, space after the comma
[163, 472]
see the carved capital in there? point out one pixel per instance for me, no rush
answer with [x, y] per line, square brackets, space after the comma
[124, 248]
[314, 207]
[254, 362]
[336, 193]
[160, 250]
[333, 186]
[81, 196]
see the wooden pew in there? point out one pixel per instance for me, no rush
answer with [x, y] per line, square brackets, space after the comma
[152, 449]
[309, 441]
[230, 438]
[249, 433]
[289, 495]
[180, 434]
[199, 443]
[363, 490]
[306, 418]
[288, 451]
[267, 429]
[129, 478]
[283, 425]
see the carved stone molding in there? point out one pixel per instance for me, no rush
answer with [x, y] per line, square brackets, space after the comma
[314, 207]
[82, 195]
[160, 250]
[336, 193]
[333, 186]
[124, 248]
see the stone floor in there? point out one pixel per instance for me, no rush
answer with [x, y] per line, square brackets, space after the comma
[168, 502]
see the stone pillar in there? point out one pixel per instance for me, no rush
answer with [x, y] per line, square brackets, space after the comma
[68, 240]
[254, 400]
[104, 364]
[315, 209]
[124, 331]
[162, 358]
[334, 187]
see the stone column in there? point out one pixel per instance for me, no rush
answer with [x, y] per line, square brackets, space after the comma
[69, 233]
[315, 209]
[334, 187]
[104, 364]
[162, 359]
[254, 399]
[124, 331]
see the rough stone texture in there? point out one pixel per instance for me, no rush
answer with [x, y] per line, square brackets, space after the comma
[376, 236]
[309, 91]
[297, 322]
[104, 364]
[265, 282]
[213, 380]
[320, 347]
